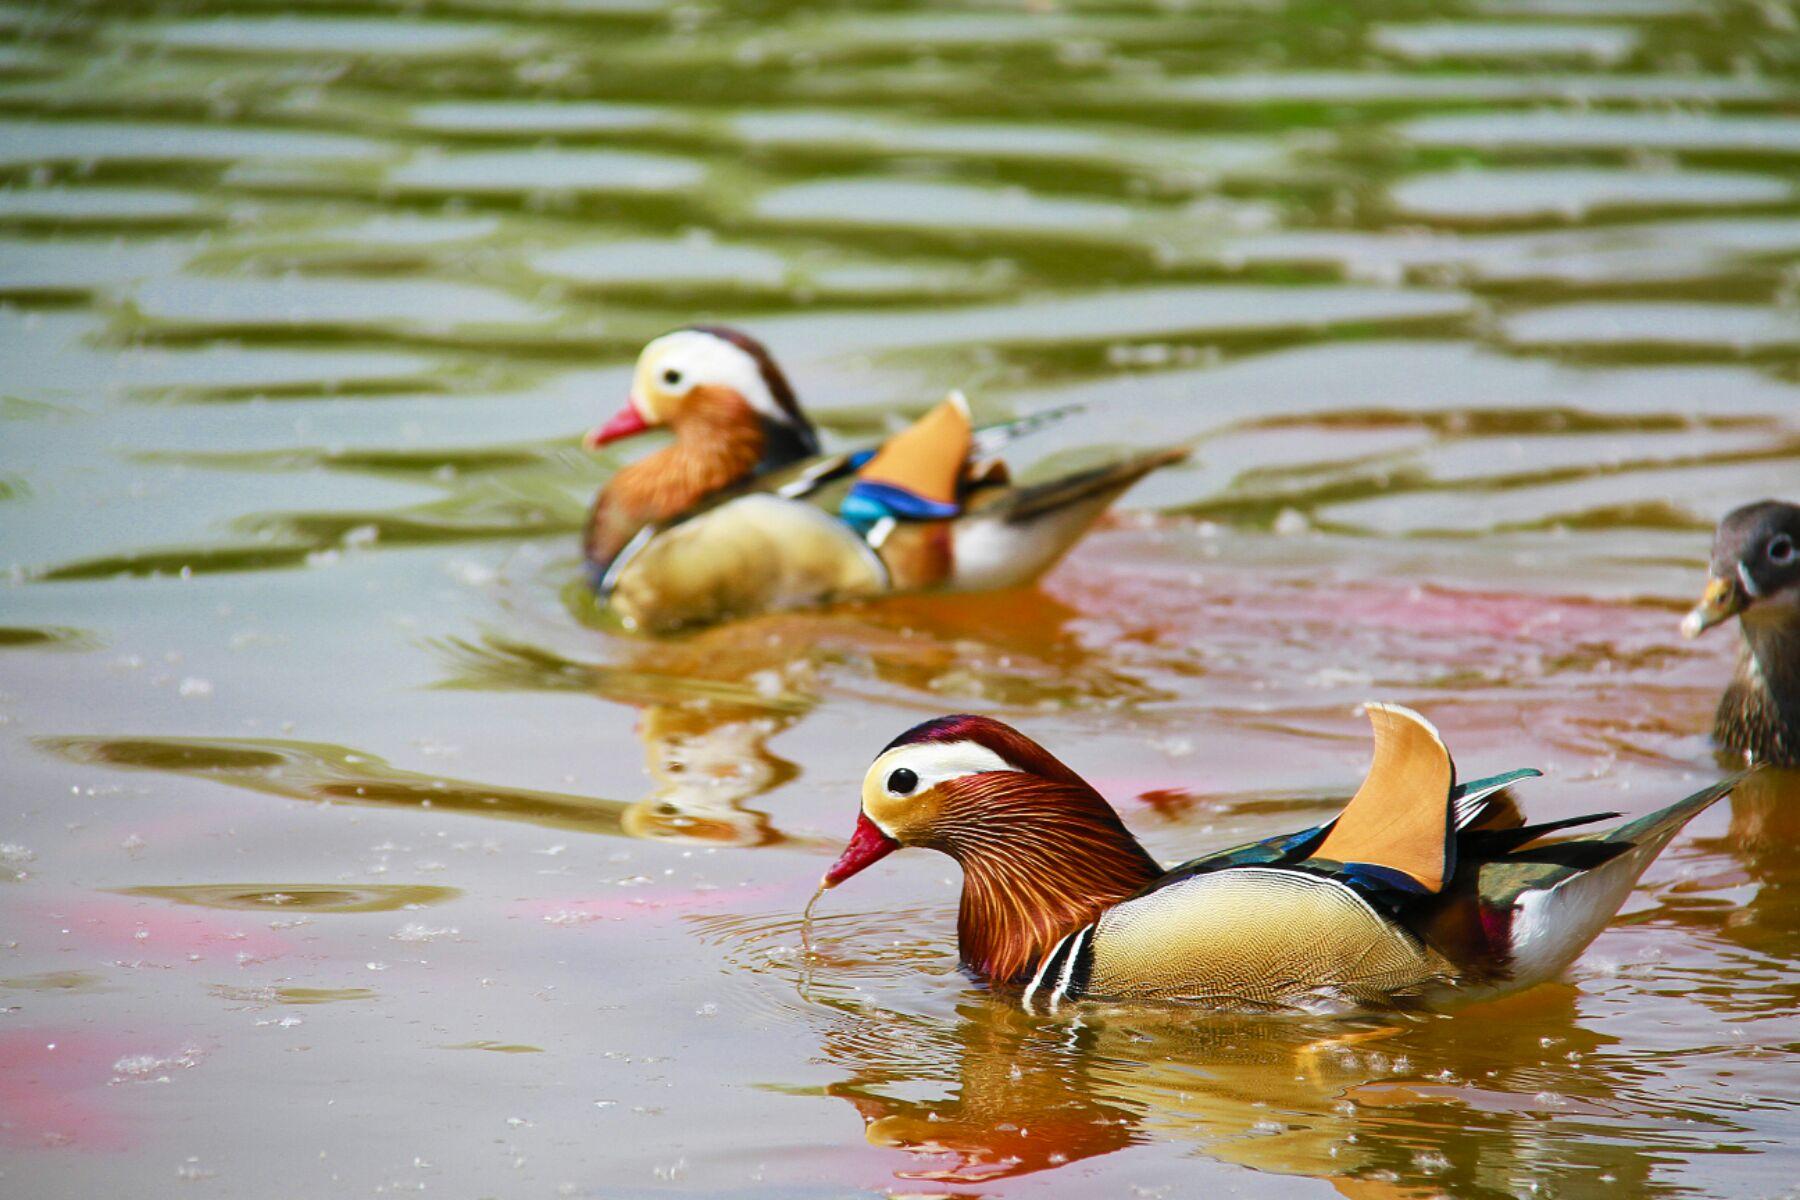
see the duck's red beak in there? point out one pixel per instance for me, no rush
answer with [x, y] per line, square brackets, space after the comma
[867, 845]
[625, 423]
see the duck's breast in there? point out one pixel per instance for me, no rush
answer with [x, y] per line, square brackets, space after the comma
[758, 553]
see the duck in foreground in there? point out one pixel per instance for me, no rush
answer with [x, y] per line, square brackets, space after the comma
[1755, 577]
[1420, 891]
[742, 514]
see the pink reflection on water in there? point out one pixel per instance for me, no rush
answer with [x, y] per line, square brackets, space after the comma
[1173, 600]
[53, 1090]
[137, 932]
[638, 904]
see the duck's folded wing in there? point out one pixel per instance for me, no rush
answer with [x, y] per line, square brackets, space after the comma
[805, 478]
[1254, 938]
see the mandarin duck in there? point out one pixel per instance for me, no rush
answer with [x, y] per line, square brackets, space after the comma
[1755, 577]
[735, 517]
[1420, 890]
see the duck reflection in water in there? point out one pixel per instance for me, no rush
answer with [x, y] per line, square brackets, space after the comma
[1361, 1105]
[710, 703]
[1762, 838]
[705, 763]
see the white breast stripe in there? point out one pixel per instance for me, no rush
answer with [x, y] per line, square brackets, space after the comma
[1068, 971]
[1038, 979]
[638, 541]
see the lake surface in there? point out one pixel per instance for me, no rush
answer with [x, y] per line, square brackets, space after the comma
[346, 851]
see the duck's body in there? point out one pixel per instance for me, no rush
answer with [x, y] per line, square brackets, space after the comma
[735, 517]
[1419, 892]
[1755, 576]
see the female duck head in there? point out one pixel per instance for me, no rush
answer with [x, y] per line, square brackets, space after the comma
[1755, 564]
[1755, 576]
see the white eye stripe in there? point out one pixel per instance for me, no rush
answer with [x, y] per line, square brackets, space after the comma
[934, 763]
[702, 358]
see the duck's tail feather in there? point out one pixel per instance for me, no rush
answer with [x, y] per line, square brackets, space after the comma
[1039, 499]
[1658, 827]
[991, 439]
[1021, 533]
[1487, 842]
[1563, 894]
[1486, 803]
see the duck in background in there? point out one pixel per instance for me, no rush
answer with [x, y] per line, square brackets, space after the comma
[1755, 577]
[735, 517]
[1419, 892]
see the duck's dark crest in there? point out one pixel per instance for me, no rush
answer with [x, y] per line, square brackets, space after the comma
[804, 439]
[1002, 739]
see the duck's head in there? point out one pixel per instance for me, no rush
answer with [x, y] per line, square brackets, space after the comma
[932, 785]
[1755, 565]
[1042, 853]
[679, 373]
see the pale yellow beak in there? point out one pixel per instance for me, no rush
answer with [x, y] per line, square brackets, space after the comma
[1721, 601]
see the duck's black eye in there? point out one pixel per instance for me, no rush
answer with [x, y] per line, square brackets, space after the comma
[672, 377]
[902, 781]
[1781, 548]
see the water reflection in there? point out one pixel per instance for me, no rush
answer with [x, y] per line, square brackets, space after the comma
[1483, 1106]
[1483, 312]
[1765, 821]
[1020, 1099]
[330, 774]
[705, 764]
[1764, 831]
[308, 897]
[709, 703]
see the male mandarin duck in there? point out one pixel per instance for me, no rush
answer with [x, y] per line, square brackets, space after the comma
[1755, 577]
[1420, 890]
[731, 519]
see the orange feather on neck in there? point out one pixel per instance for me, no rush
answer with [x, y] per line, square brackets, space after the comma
[1040, 858]
[718, 442]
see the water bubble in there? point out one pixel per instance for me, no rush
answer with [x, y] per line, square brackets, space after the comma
[1431, 1162]
[191, 1169]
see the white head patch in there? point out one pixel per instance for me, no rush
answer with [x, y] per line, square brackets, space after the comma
[678, 362]
[929, 764]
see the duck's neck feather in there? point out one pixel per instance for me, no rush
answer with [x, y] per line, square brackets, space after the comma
[1760, 711]
[1038, 862]
[785, 443]
[719, 441]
